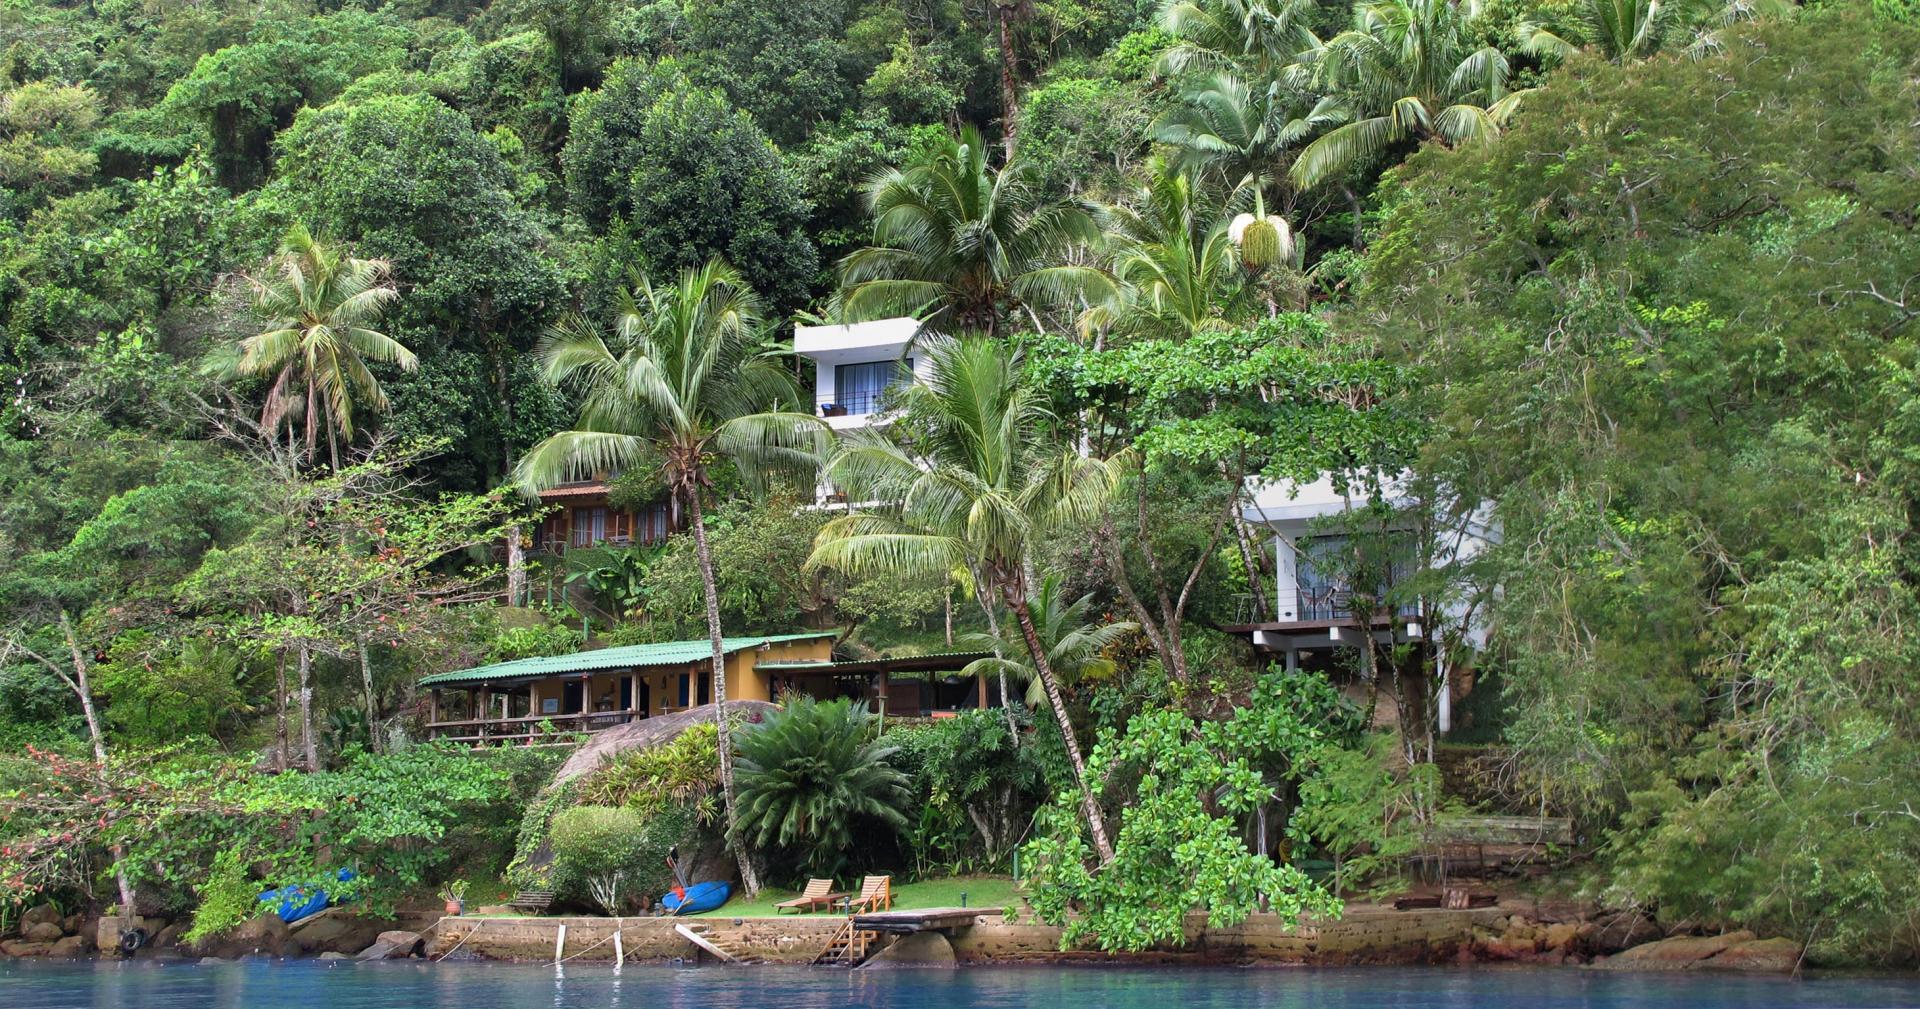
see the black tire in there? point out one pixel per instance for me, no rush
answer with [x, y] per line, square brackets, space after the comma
[131, 939]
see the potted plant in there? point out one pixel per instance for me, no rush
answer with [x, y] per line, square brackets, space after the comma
[455, 894]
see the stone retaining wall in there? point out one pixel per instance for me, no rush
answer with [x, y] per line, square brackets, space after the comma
[780, 940]
[1360, 937]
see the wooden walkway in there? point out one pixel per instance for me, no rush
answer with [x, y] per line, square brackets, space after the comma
[930, 919]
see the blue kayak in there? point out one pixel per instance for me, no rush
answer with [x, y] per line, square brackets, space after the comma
[293, 903]
[697, 898]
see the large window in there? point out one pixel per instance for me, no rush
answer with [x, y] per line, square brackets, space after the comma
[859, 388]
[589, 526]
[1327, 567]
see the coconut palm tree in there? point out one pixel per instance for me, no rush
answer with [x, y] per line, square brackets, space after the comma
[684, 378]
[1620, 30]
[964, 242]
[1254, 39]
[1407, 69]
[1234, 131]
[970, 481]
[1180, 261]
[1075, 643]
[321, 304]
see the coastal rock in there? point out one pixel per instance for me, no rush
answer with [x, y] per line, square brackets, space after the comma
[1623, 930]
[395, 945]
[106, 930]
[74, 924]
[39, 914]
[19, 947]
[70, 948]
[42, 931]
[1776, 956]
[1506, 949]
[333, 955]
[265, 935]
[209, 961]
[1677, 953]
[168, 937]
[337, 930]
[1560, 935]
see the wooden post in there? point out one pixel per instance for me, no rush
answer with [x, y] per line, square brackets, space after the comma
[619, 951]
[559, 942]
[433, 705]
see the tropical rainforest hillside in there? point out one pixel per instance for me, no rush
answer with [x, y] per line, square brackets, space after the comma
[303, 304]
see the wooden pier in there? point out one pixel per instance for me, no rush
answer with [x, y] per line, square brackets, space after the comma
[930, 919]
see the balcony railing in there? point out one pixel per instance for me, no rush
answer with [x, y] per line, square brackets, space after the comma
[528, 729]
[853, 404]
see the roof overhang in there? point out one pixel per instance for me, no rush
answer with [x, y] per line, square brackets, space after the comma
[650, 656]
[943, 662]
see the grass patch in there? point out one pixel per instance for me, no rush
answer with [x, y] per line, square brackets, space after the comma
[989, 892]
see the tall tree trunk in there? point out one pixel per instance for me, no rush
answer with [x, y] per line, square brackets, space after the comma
[1256, 574]
[366, 685]
[1009, 77]
[516, 554]
[310, 746]
[1089, 806]
[83, 686]
[724, 741]
[993, 631]
[280, 738]
[516, 567]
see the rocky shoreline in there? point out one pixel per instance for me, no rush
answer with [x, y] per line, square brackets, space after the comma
[1498, 935]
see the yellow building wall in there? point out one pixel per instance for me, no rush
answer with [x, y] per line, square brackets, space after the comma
[745, 682]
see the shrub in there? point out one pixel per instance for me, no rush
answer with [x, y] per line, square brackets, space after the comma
[812, 773]
[532, 642]
[227, 898]
[596, 847]
[681, 771]
[974, 788]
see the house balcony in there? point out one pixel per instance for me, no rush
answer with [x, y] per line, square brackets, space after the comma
[852, 409]
[530, 730]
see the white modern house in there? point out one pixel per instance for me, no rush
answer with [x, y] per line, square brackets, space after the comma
[855, 365]
[1310, 614]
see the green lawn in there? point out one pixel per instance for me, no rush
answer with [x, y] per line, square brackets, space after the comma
[990, 892]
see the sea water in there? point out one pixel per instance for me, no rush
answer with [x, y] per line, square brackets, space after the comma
[311, 984]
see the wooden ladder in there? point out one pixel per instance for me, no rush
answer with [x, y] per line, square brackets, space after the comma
[848, 947]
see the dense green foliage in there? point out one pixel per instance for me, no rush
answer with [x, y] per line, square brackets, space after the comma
[1179, 846]
[1677, 356]
[300, 305]
[812, 776]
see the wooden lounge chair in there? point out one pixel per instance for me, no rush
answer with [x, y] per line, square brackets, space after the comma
[531, 901]
[818, 894]
[876, 894]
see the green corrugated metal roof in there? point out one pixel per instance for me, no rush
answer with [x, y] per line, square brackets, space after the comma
[931, 658]
[664, 653]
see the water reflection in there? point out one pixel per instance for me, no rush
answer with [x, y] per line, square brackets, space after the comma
[582, 985]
